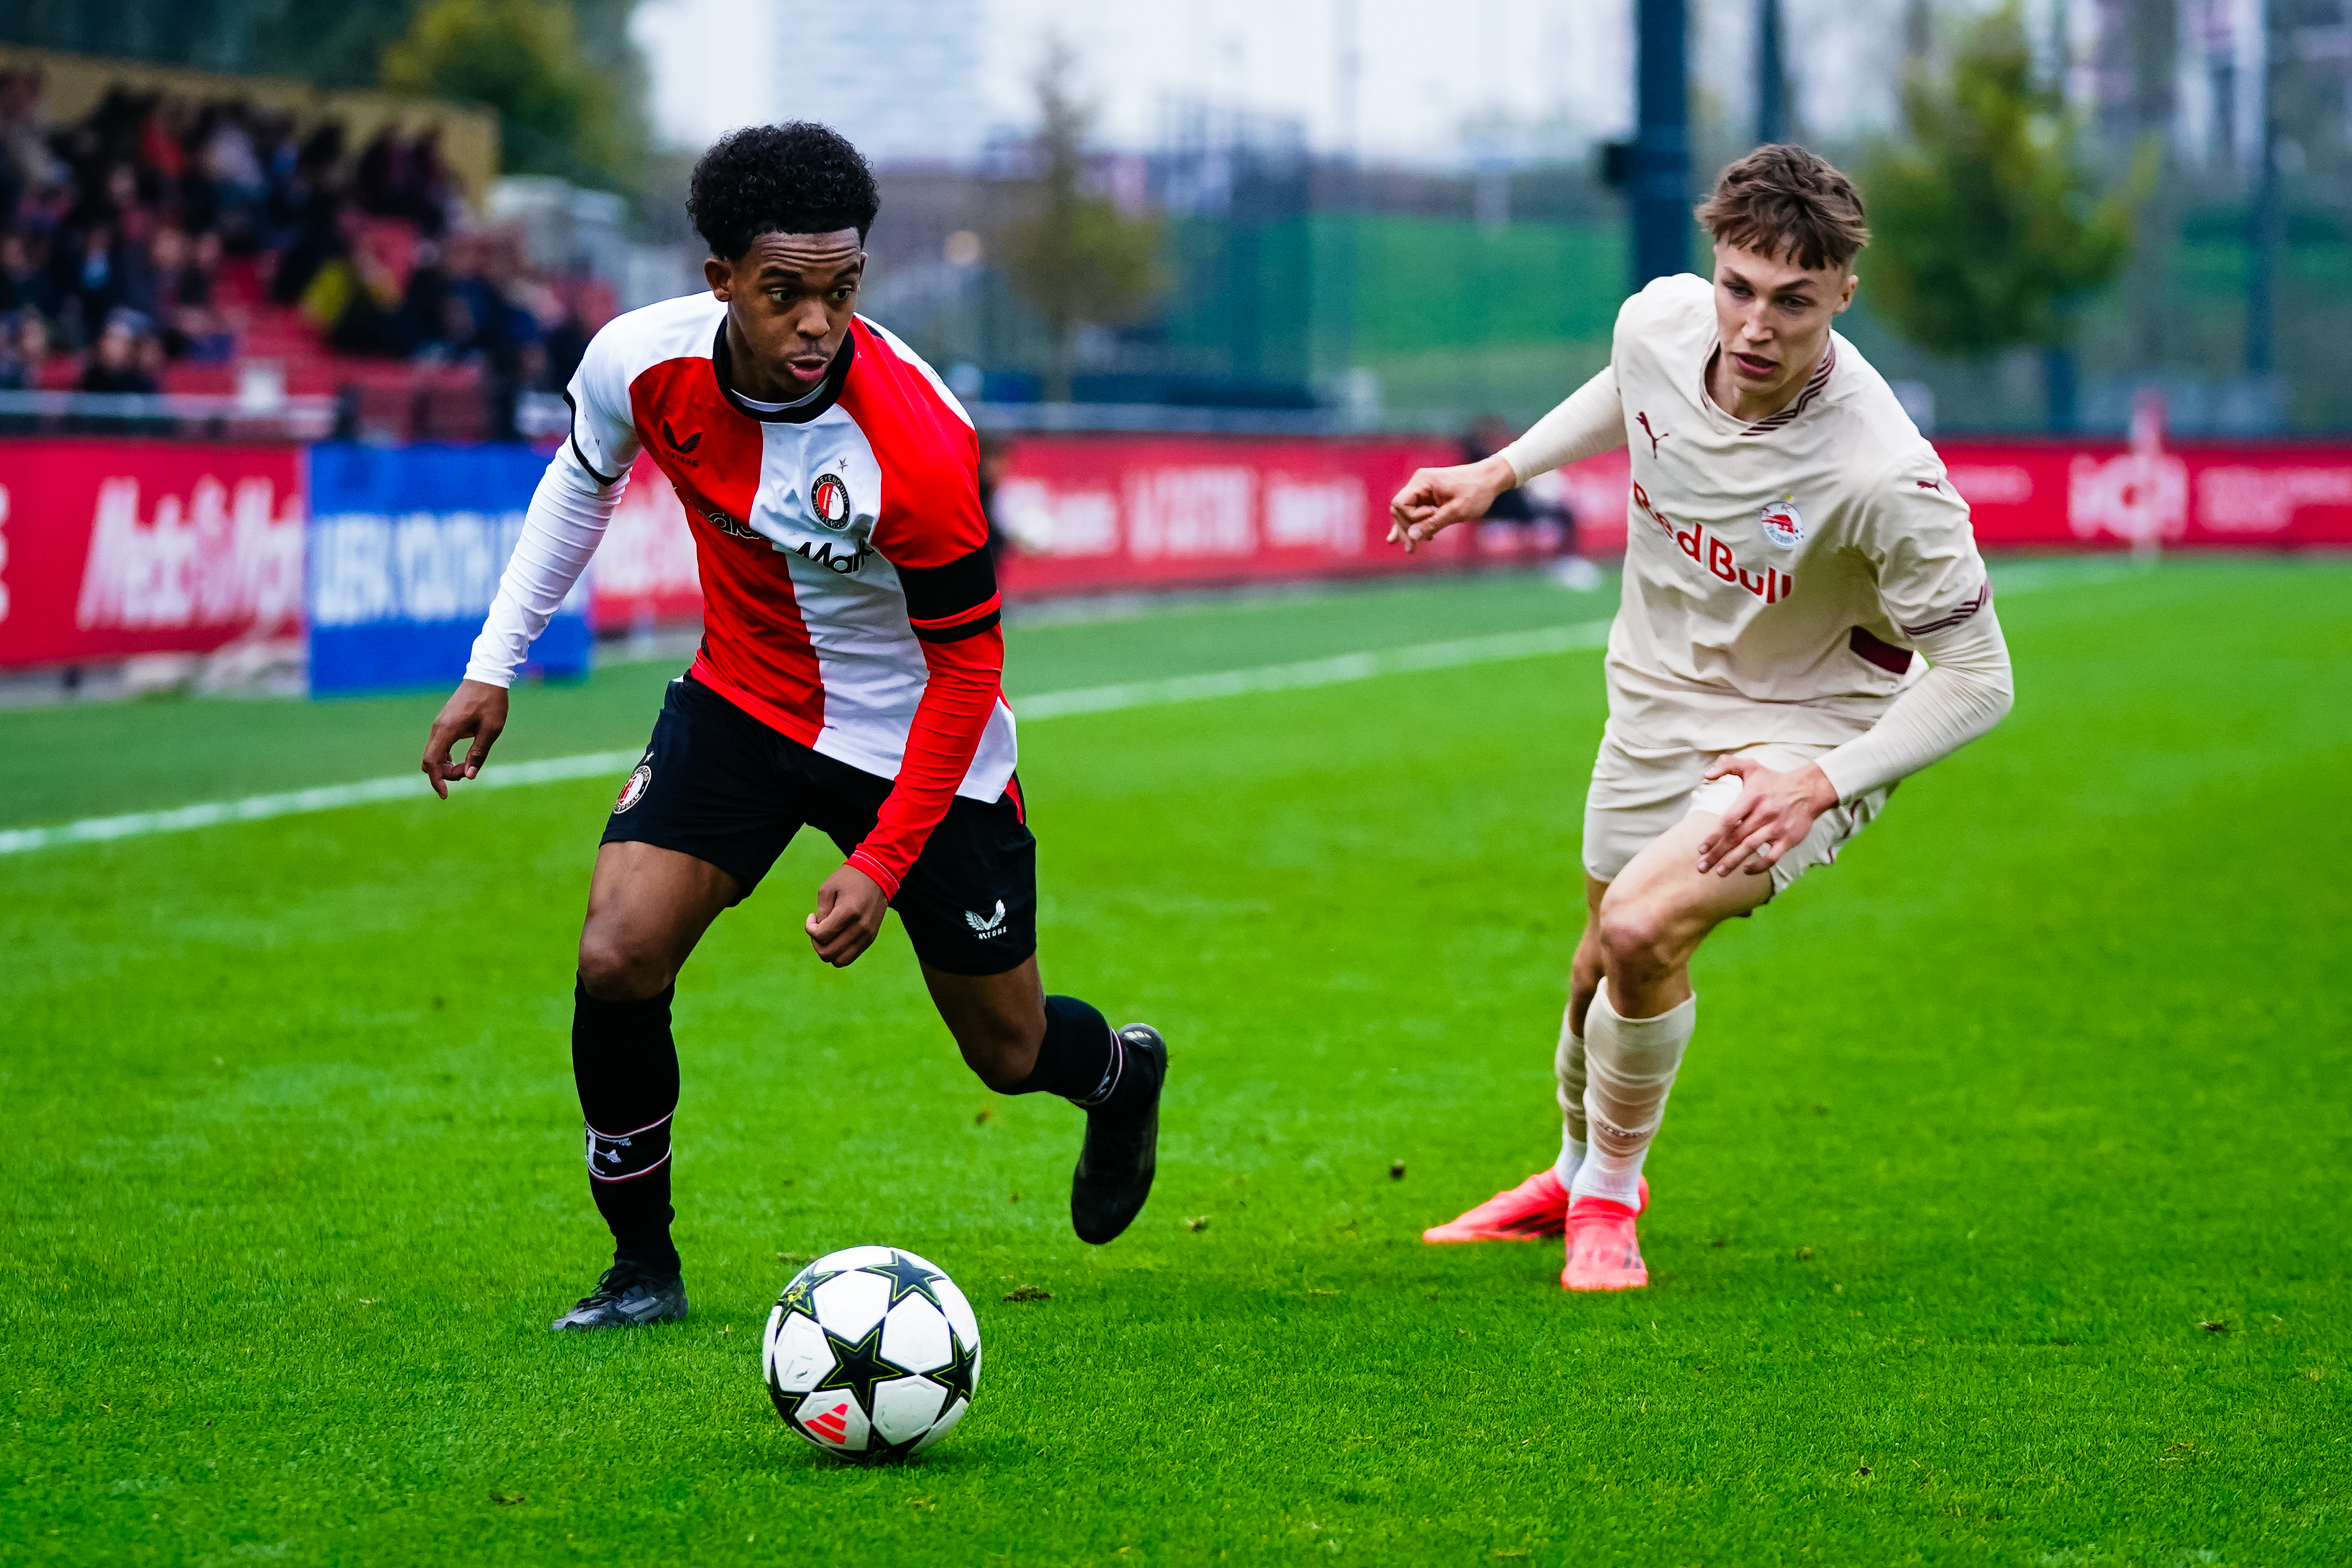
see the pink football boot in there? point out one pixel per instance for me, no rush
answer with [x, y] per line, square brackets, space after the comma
[1603, 1254]
[1535, 1210]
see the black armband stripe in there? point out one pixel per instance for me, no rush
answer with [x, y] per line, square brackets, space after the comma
[980, 620]
[947, 604]
[581, 457]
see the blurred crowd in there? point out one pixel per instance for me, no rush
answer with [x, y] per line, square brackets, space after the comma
[157, 230]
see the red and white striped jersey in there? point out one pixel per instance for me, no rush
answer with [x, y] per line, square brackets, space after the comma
[850, 599]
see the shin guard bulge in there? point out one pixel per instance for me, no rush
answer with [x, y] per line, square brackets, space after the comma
[625, 1065]
[1630, 1066]
[1568, 1070]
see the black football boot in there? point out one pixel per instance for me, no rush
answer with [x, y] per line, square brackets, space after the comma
[1122, 1147]
[626, 1297]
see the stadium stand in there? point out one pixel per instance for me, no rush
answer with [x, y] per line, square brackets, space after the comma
[229, 253]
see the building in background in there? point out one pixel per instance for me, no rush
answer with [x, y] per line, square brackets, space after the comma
[901, 78]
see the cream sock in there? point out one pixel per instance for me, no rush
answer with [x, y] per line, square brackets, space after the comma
[1630, 1066]
[1567, 1067]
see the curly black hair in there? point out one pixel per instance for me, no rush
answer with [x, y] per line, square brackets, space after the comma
[795, 178]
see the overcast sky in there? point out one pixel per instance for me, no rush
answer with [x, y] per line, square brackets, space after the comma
[1438, 81]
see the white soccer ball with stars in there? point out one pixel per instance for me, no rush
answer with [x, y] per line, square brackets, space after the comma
[871, 1353]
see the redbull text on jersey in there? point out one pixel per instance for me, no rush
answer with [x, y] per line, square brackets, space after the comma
[1771, 585]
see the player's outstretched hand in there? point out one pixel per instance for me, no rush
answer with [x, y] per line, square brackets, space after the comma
[475, 709]
[1774, 812]
[1435, 499]
[848, 917]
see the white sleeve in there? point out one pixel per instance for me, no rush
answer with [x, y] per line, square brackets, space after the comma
[1967, 690]
[567, 516]
[1591, 421]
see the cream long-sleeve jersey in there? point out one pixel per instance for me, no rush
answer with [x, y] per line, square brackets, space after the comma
[1779, 575]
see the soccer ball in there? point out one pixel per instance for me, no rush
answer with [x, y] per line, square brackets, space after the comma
[871, 1353]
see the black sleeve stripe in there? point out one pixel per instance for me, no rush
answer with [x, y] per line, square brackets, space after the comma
[581, 457]
[962, 629]
[1983, 597]
[939, 594]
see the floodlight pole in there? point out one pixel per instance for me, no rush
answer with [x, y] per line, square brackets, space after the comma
[2264, 217]
[1660, 171]
[1347, 74]
[1771, 111]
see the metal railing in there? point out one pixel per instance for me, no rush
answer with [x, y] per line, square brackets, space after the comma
[542, 416]
[196, 414]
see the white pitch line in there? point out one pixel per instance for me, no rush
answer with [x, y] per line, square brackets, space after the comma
[1336, 671]
[1341, 669]
[295, 802]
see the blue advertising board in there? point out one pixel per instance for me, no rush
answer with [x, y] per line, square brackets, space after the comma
[406, 545]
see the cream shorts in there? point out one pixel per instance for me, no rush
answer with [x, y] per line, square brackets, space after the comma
[1638, 793]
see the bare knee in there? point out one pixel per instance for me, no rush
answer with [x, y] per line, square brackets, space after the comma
[614, 968]
[999, 1043]
[1636, 940]
[1002, 1055]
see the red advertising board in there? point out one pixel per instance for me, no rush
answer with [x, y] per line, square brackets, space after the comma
[1104, 514]
[1096, 514]
[1091, 514]
[2090, 494]
[115, 547]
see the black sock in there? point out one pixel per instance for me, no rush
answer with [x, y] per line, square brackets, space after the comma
[1080, 1059]
[625, 1065]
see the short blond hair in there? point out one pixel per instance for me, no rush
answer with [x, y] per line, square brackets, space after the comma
[1789, 204]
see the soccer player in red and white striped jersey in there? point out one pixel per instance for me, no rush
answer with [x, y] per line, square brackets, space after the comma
[849, 679]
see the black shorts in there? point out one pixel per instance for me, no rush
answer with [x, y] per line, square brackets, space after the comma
[720, 785]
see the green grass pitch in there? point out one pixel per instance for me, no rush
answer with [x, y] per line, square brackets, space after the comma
[1981, 1126]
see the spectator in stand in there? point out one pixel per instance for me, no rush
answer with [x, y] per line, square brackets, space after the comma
[25, 281]
[994, 453]
[567, 343]
[515, 357]
[404, 180]
[1511, 511]
[383, 183]
[34, 351]
[185, 275]
[436, 195]
[305, 214]
[88, 277]
[16, 374]
[234, 184]
[163, 150]
[149, 356]
[121, 363]
[25, 136]
[358, 299]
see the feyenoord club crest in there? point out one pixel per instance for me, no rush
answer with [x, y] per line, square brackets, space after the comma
[829, 499]
[1781, 522]
[635, 789]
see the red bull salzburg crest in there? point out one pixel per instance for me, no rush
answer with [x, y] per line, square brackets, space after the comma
[829, 499]
[1782, 524]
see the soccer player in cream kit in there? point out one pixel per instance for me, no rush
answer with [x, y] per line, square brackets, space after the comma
[1805, 622]
[849, 680]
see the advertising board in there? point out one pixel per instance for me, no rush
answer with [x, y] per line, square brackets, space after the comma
[111, 548]
[114, 548]
[405, 549]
